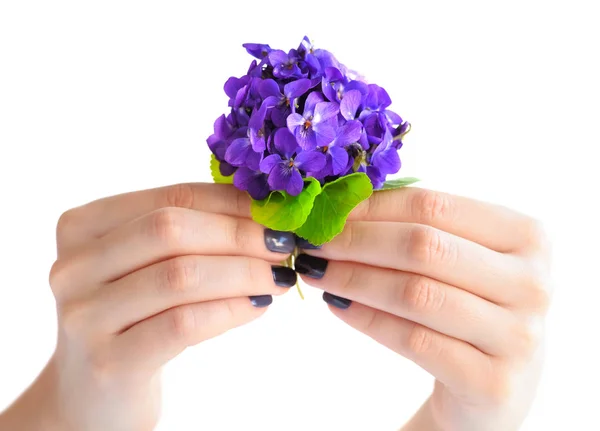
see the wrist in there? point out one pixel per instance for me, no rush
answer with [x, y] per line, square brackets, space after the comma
[38, 408]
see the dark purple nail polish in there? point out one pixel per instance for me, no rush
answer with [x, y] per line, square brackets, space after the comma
[261, 301]
[336, 301]
[283, 276]
[303, 244]
[279, 242]
[311, 266]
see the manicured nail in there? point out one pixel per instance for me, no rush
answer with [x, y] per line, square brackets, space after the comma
[311, 266]
[336, 301]
[279, 242]
[303, 244]
[261, 301]
[284, 277]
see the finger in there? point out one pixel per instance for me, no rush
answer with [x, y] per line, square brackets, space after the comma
[493, 226]
[455, 363]
[183, 280]
[436, 305]
[168, 233]
[148, 345]
[433, 253]
[95, 219]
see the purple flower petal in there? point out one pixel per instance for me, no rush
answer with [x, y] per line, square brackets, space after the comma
[296, 88]
[226, 169]
[257, 50]
[295, 120]
[310, 161]
[233, 85]
[284, 177]
[339, 159]
[375, 176]
[360, 86]
[268, 88]
[285, 142]
[324, 134]
[311, 101]
[238, 152]
[325, 111]
[268, 163]
[279, 116]
[253, 182]
[349, 133]
[388, 161]
[350, 104]
[393, 118]
[295, 184]
[278, 56]
[306, 137]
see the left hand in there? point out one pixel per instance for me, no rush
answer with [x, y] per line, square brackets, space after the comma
[460, 287]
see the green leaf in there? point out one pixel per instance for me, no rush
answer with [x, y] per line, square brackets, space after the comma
[216, 173]
[280, 211]
[332, 207]
[398, 183]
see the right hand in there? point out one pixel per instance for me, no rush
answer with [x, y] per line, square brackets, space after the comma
[140, 277]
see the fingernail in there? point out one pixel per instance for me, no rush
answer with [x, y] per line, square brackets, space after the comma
[279, 242]
[311, 266]
[303, 244]
[336, 301]
[261, 301]
[284, 277]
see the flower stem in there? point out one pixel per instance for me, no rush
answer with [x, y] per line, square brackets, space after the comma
[290, 263]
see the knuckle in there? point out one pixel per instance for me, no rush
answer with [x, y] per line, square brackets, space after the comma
[422, 295]
[72, 318]
[537, 288]
[58, 276]
[180, 196]
[525, 339]
[534, 234]
[66, 220]
[166, 225]
[237, 234]
[352, 237]
[426, 246]
[431, 207]
[372, 325]
[177, 275]
[352, 277]
[182, 323]
[420, 342]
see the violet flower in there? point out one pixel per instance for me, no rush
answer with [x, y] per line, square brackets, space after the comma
[301, 113]
[313, 128]
[284, 166]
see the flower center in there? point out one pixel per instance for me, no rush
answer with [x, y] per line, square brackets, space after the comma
[290, 164]
[307, 124]
[325, 148]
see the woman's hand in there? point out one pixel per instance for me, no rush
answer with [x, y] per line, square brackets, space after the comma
[140, 277]
[458, 286]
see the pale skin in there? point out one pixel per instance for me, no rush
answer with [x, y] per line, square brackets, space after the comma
[458, 286]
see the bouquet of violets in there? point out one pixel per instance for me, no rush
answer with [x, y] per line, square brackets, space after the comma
[307, 138]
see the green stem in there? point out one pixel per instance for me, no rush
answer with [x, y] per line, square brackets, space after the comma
[290, 263]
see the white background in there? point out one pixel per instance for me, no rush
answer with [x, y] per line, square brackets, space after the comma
[98, 98]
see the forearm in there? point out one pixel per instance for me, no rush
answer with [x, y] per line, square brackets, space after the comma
[37, 408]
[422, 420]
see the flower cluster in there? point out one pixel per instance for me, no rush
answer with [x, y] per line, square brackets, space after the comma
[303, 114]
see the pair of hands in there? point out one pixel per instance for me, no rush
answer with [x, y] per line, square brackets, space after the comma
[458, 286]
